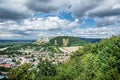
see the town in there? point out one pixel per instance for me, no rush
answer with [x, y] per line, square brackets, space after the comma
[12, 61]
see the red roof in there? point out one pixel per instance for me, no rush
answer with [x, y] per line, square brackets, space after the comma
[5, 65]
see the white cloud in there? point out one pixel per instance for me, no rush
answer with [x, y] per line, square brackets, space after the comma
[14, 9]
[46, 24]
[105, 13]
[47, 6]
[99, 32]
[38, 26]
[9, 35]
[17, 9]
[107, 21]
[99, 8]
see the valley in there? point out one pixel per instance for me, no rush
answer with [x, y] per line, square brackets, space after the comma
[58, 50]
[60, 57]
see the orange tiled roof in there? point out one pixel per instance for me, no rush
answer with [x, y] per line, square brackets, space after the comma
[5, 65]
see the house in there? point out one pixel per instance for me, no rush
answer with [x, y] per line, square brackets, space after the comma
[7, 65]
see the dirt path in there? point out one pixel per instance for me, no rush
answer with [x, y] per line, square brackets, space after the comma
[70, 49]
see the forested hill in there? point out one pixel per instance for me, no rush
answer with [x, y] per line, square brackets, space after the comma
[46, 45]
[67, 41]
[53, 44]
[99, 61]
[92, 40]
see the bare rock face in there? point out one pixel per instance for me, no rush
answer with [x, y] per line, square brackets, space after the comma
[41, 41]
[65, 42]
[55, 42]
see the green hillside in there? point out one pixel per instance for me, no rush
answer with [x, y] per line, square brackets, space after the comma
[52, 49]
[99, 61]
[66, 41]
[52, 44]
[15, 49]
[45, 45]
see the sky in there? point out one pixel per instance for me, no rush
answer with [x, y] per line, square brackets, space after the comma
[33, 19]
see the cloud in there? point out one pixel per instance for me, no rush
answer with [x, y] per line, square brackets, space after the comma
[106, 8]
[80, 7]
[54, 26]
[14, 9]
[48, 23]
[96, 8]
[107, 21]
[6, 34]
[16, 18]
[34, 26]
[7, 14]
[47, 6]
[99, 32]
[18, 9]
[103, 12]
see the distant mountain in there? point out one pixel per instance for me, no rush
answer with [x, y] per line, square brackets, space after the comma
[92, 40]
[68, 41]
[52, 44]
[61, 41]
[6, 43]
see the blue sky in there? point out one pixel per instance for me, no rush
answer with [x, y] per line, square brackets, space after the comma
[27, 19]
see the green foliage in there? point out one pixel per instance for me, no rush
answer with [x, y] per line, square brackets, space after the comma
[45, 69]
[52, 49]
[10, 43]
[3, 69]
[72, 41]
[22, 72]
[15, 49]
[99, 61]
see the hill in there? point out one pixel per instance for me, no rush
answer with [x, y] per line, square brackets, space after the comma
[99, 61]
[45, 45]
[41, 41]
[92, 40]
[62, 41]
[53, 44]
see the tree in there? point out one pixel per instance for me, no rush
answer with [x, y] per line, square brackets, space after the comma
[22, 72]
[45, 70]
